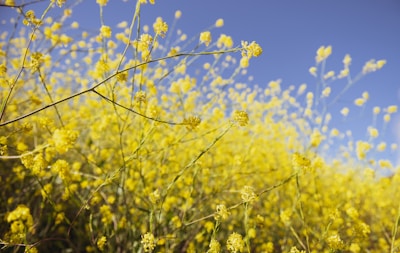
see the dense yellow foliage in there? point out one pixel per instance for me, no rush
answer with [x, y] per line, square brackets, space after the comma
[120, 142]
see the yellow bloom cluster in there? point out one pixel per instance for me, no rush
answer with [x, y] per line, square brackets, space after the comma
[121, 141]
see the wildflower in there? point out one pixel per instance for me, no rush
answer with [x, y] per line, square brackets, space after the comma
[36, 61]
[316, 138]
[300, 162]
[3, 70]
[372, 66]
[178, 14]
[252, 49]
[63, 140]
[313, 71]
[241, 117]
[244, 62]
[326, 92]
[214, 246]
[60, 3]
[160, 27]
[345, 111]
[381, 147]
[155, 196]
[10, 2]
[148, 242]
[219, 22]
[386, 117]
[224, 41]
[302, 89]
[323, 53]
[222, 213]
[362, 148]
[102, 2]
[62, 168]
[248, 194]
[105, 31]
[205, 37]
[359, 101]
[376, 110]
[192, 122]
[373, 132]
[235, 243]
[101, 242]
[335, 242]
[295, 250]
[343, 73]
[20, 221]
[329, 74]
[391, 109]
[346, 61]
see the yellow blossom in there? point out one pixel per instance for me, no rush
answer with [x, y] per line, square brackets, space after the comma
[323, 53]
[373, 132]
[178, 14]
[235, 243]
[346, 61]
[345, 111]
[241, 117]
[224, 41]
[102, 2]
[326, 92]
[105, 31]
[148, 242]
[205, 37]
[359, 101]
[313, 71]
[160, 27]
[391, 109]
[192, 122]
[101, 242]
[219, 22]
[214, 246]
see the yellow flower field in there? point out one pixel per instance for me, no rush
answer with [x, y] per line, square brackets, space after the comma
[116, 141]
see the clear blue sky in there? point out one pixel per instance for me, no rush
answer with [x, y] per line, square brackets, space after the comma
[290, 32]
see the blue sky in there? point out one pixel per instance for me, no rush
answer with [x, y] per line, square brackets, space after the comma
[290, 32]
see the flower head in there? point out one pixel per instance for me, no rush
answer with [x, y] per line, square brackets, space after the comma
[160, 27]
[148, 242]
[235, 243]
[205, 37]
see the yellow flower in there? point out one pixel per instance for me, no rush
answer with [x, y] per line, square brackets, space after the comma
[248, 194]
[300, 162]
[345, 111]
[373, 132]
[102, 2]
[235, 243]
[241, 117]
[148, 242]
[101, 242]
[313, 71]
[222, 213]
[178, 14]
[359, 101]
[391, 109]
[105, 31]
[214, 246]
[205, 37]
[326, 92]
[224, 41]
[160, 27]
[346, 61]
[192, 122]
[323, 53]
[219, 22]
